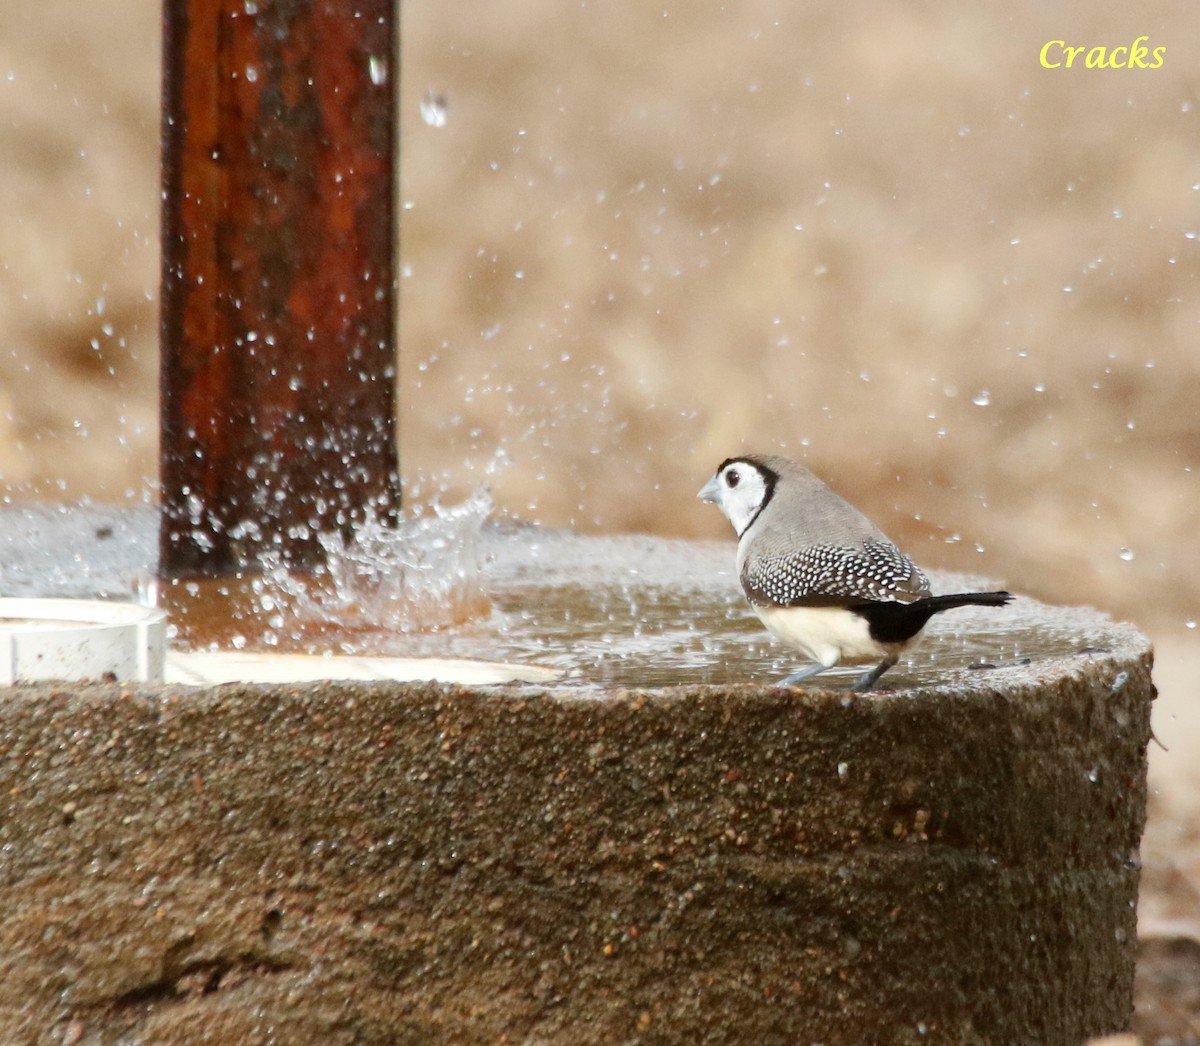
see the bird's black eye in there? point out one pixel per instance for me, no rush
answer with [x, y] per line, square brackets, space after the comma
[732, 478]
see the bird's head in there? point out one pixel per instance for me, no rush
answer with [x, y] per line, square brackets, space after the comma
[740, 488]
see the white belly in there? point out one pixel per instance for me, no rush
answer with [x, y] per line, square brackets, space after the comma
[827, 635]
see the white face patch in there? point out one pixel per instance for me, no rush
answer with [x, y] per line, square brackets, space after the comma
[740, 492]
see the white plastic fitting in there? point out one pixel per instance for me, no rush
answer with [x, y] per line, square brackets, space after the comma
[75, 639]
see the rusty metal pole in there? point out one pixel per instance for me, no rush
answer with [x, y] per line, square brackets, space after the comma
[278, 286]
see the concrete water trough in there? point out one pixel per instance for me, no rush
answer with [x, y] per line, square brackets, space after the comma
[661, 847]
[595, 861]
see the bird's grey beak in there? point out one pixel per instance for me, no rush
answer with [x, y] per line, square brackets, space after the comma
[710, 491]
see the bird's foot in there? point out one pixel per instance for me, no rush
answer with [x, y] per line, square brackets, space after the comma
[869, 679]
[803, 674]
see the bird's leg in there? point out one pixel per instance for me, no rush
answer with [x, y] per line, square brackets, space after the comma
[868, 681]
[803, 674]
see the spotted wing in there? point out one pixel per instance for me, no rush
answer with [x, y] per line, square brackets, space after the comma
[829, 575]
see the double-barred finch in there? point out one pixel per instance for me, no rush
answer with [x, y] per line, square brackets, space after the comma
[820, 575]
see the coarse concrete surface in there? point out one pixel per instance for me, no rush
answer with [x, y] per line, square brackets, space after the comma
[414, 863]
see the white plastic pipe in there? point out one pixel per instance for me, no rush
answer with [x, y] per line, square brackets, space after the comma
[75, 639]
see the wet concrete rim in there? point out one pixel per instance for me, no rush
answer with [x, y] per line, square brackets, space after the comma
[1001, 679]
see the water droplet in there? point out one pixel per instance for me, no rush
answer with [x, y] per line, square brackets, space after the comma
[377, 69]
[1126, 554]
[982, 398]
[1189, 623]
[434, 108]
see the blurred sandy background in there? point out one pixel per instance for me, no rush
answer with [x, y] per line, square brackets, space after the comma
[965, 288]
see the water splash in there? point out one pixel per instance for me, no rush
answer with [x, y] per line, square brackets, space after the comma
[420, 574]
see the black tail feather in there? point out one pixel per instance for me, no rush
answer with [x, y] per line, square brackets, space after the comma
[899, 622]
[963, 599]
